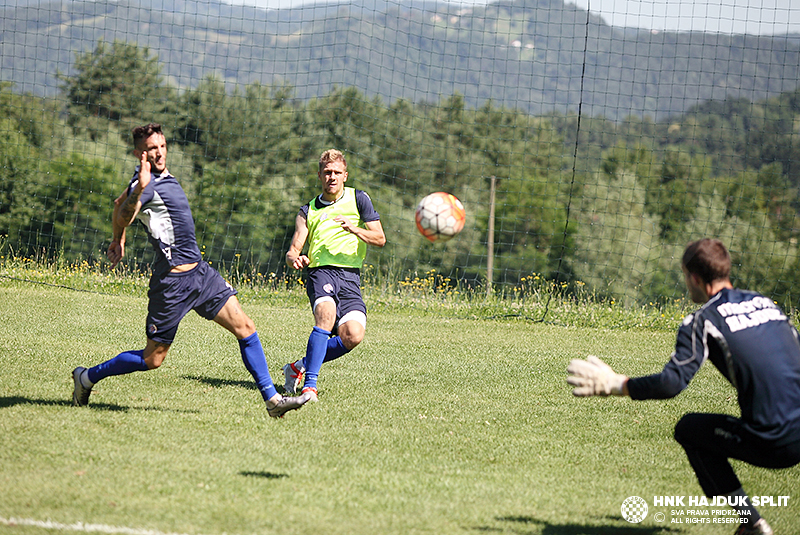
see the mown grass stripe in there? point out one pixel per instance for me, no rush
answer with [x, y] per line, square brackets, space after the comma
[80, 527]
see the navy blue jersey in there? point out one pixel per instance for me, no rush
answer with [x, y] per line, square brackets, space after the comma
[363, 203]
[166, 215]
[751, 342]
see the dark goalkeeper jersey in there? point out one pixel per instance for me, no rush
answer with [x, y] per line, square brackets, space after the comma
[166, 215]
[751, 342]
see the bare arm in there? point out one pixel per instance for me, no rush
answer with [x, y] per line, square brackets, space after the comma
[372, 235]
[129, 207]
[126, 208]
[116, 250]
[294, 257]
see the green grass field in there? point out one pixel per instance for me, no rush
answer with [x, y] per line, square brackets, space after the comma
[432, 425]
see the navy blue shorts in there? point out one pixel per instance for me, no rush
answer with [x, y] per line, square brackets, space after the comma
[711, 439]
[343, 285]
[173, 295]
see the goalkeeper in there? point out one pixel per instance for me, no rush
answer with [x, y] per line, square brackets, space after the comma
[751, 342]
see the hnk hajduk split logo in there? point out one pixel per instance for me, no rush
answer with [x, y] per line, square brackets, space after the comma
[697, 509]
[634, 509]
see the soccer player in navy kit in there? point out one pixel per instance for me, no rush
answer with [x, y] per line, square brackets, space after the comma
[338, 225]
[181, 280]
[751, 342]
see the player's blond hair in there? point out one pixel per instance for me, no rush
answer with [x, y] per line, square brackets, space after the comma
[331, 155]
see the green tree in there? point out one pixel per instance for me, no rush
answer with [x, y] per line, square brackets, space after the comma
[618, 241]
[523, 154]
[347, 118]
[20, 206]
[214, 124]
[77, 205]
[34, 117]
[398, 141]
[766, 191]
[120, 82]
[243, 219]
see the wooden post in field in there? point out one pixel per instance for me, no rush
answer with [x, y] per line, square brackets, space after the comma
[490, 239]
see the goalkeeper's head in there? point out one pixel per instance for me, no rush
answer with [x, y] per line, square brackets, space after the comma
[706, 265]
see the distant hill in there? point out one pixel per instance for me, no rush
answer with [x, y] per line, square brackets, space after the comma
[535, 55]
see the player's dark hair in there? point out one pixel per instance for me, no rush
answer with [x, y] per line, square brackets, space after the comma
[707, 258]
[143, 132]
[331, 155]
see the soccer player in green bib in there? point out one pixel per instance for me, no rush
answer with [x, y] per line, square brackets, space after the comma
[338, 225]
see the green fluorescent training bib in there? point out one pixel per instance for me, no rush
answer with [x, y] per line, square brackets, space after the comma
[329, 244]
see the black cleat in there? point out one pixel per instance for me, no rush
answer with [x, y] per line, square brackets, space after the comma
[80, 395]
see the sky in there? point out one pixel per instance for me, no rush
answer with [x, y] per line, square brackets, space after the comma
[764, 17]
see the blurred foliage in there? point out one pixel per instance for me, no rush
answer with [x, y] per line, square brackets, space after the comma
[607, 207]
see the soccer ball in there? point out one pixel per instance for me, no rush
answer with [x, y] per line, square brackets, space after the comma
[440, 216]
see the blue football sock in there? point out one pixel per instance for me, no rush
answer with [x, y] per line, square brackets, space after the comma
[335, 349]
[315, 355]
[256, 363]
[126, 362]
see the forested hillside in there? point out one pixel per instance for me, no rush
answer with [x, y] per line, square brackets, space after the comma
[583, 201]
[538, 56]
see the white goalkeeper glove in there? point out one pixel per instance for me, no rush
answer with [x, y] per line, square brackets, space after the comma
[593, 377]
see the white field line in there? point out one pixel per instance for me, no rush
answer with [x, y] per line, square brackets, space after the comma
[80, 527]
